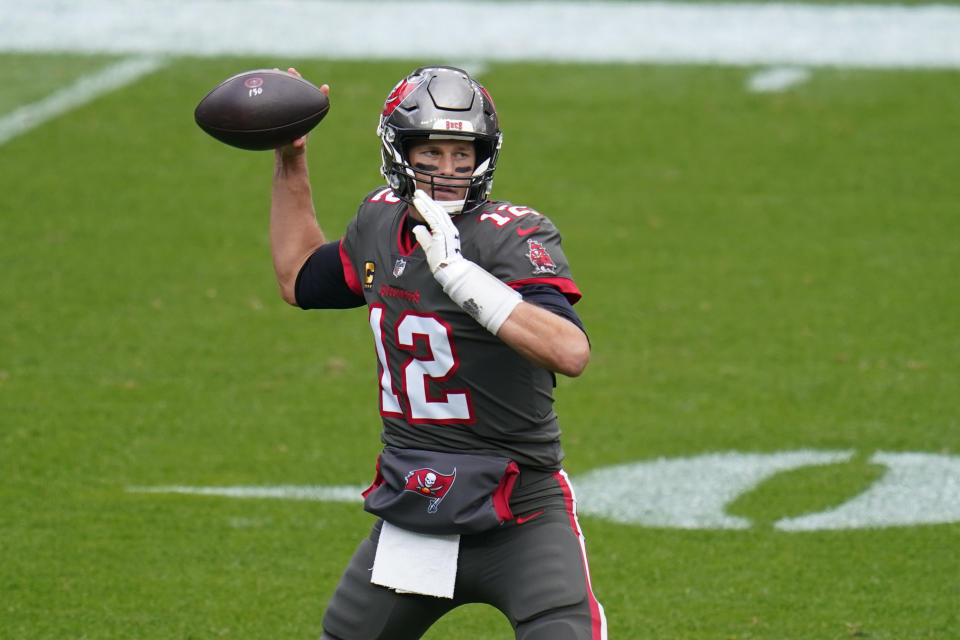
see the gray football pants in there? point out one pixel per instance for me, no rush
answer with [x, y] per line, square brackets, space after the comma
[535, 573]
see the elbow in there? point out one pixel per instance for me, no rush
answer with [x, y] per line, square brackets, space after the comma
[288, 292]
[573, 359]
[288, 272]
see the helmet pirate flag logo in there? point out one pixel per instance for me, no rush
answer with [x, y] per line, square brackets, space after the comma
[430, 484]
[403, 88]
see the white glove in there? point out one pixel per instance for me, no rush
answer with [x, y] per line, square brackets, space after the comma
[473, 288]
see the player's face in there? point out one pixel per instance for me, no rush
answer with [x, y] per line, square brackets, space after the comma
[452, 160]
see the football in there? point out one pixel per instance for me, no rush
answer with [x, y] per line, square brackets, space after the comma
[261, 109]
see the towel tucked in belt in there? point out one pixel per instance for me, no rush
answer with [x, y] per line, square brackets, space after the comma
[416, 562]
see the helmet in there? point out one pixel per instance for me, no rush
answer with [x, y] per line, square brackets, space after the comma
[439, 103]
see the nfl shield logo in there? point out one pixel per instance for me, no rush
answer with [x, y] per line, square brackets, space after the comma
[399, 266]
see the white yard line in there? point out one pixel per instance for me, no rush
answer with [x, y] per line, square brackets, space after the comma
[282, 492]
[880, 36]
[85, 89]
[694, 492]
[777, 79]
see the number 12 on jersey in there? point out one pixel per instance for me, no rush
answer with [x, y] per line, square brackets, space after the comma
[437, 363]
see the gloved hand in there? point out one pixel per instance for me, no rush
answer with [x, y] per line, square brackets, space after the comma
[442, 242]
[487, 299]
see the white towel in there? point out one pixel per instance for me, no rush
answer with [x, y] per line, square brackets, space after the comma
[415, 562]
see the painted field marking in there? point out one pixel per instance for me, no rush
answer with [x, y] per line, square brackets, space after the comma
[777, 79]
[688, 493]
[343, 493]
[731, 33]
[84, 90]
[693, 492]
[918, 488]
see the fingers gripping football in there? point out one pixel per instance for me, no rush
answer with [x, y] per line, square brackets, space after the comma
[474, 289]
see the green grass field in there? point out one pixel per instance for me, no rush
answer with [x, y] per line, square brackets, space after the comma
[762, 273]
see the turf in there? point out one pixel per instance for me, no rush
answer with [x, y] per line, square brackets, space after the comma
[762, 272]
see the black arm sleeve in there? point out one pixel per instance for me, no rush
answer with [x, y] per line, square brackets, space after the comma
[551, 299]
[321, 284]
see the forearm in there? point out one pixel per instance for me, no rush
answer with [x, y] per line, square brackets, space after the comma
[294, 232]
[546, 339]
[537, 334]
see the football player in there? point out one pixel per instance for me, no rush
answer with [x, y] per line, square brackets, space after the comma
[471, 307]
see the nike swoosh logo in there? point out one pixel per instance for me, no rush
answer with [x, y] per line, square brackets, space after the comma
[522, 519]
[524, 232]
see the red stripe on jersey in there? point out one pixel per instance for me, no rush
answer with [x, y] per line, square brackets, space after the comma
[377, 481]
[406, 241]
[501, 496]
[598, 619]
[349, 273]
[566, 286]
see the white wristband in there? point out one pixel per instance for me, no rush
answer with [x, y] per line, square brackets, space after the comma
[476, 291]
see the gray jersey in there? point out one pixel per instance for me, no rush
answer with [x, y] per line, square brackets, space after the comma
[446, 383]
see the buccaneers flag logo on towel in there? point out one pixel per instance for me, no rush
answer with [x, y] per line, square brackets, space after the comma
[430, 484]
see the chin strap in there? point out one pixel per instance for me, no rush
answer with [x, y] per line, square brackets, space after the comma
[486, 298]
[451, 206]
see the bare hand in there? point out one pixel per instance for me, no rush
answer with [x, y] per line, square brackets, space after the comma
[298, 146]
